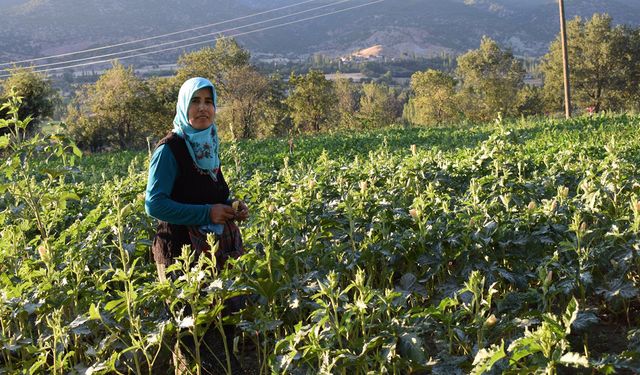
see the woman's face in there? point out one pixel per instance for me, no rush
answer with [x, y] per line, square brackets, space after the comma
[201, 109]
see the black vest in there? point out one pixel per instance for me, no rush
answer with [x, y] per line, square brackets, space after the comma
[192, 186]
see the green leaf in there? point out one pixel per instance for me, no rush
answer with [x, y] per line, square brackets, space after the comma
[552, 325]
[523, 347]
[115, 305]
[94, 312]
[38, 364]
[76, 151]
[618, 288]
[371, 344]
[570, 314]
[633, 338]
[68, 196]
[486, 358]
[574, 359]
[584, 320]
[408, 280]
[410, 347]
[4, 141]
[79, 327]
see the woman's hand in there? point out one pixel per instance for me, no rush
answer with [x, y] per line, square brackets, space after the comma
[242, 211]
[221, 213]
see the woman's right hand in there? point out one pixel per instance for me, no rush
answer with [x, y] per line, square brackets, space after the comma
[221, 213]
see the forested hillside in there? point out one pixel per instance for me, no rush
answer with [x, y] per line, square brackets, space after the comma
[36, 28]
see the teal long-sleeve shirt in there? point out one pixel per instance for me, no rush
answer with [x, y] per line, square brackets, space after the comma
[163, 170]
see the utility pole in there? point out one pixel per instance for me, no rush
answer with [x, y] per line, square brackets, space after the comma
[565, 61]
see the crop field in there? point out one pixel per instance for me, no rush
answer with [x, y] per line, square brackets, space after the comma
[510, 247]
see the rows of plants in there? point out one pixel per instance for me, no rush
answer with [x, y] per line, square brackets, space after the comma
[505, 247]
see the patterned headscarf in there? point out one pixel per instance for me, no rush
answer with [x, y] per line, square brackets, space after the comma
[202, 144]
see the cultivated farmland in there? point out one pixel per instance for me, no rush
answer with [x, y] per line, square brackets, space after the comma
[505, 247]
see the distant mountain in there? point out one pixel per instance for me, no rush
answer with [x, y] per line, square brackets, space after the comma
[34, 28]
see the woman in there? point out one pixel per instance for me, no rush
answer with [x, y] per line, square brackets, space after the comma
[186, 190]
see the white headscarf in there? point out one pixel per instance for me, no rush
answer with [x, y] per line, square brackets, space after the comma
[202, 144]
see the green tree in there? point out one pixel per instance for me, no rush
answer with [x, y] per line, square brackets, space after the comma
[597, 65]
[530, 101]
[434, 98]
[245, 95]
[631, 63]
[162, 105]
[114, 112]
[378, 105]
[312, 101]
[213, 63]
[275, 119]
[348, 101]
[39, 98]
[241, 88]
[386, 79]
[491, 79]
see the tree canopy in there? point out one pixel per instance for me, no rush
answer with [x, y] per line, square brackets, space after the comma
[491, 79]
[603, 62]
[112, 112]
[213, 63]
[39, 98]
[378, 105]
[434, 98]
[245, 94]
[348, 101]
[312, 100]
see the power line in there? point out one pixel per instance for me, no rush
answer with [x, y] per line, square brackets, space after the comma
[186, 39]
[207, 41]
[155, 37]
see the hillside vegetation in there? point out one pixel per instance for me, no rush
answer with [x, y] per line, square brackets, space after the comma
[43, 28]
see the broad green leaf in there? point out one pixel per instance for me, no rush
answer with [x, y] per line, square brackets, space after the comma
[523, 347]
[94, 312]
[570, 314]
[115, 304]
[4, 141]
[411, 347]
[574, 360]
[486, 358]
[584, 320]
[407, 281]
[69, 196]
[76, 151]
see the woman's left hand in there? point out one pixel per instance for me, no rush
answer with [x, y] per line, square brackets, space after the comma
[242, 213]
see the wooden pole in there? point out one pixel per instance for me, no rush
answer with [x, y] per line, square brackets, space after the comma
[565, 61]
